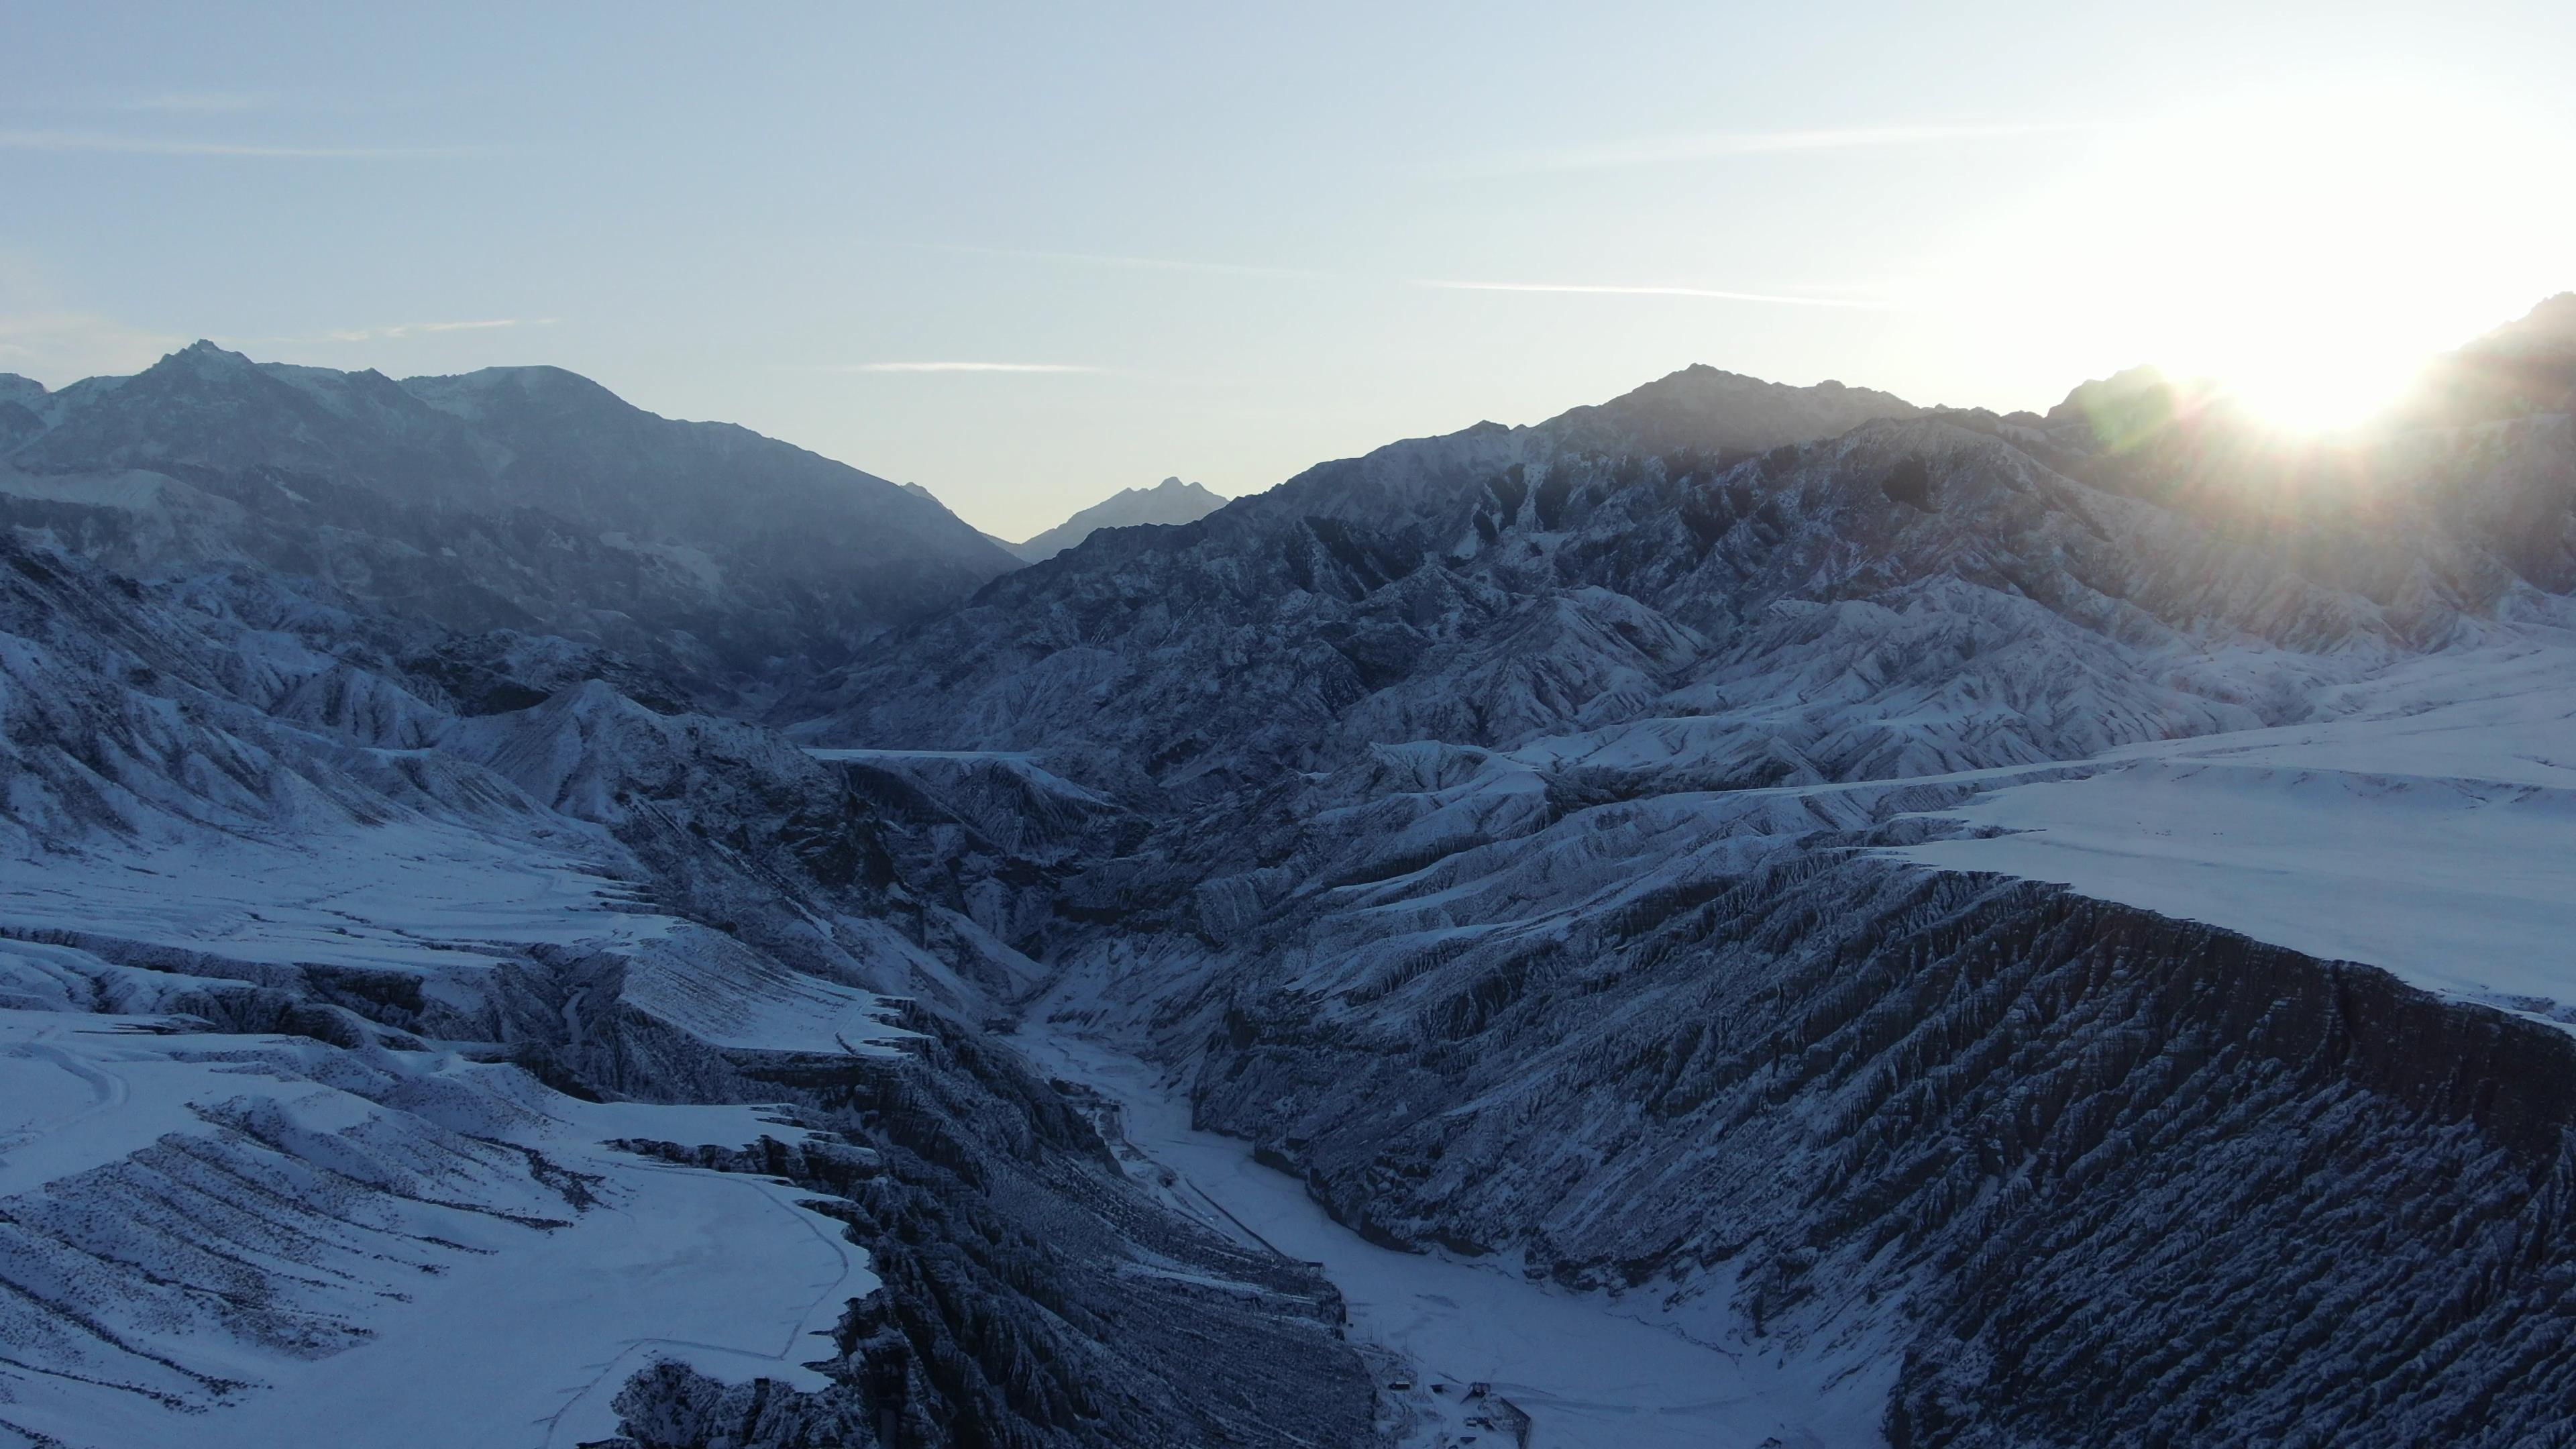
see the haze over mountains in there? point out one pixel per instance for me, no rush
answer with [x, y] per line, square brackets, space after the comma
[1170, 501]
[513, 499]
[1737, 915]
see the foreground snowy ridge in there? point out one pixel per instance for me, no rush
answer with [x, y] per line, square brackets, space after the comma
[1742, 915]
[258, 1240]
[313, 983]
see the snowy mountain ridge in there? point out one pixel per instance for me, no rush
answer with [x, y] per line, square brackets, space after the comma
[1170, 501]
[525, 499]
[1740, 914]
[278, 918]
[1538, 873]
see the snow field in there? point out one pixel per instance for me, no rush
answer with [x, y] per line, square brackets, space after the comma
[413, 1280]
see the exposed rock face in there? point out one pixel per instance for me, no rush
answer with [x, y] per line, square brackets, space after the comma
[1170, 501]
[234, 816]
[1516, 798]
[986, 1197]
[1533, 838]
[2115, 1178]
[1937, 593]
[525, 499]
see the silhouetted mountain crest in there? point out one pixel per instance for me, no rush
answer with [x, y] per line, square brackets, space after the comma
[1170, 501]
[1715, 411]
[529, 498]
[2525, 366]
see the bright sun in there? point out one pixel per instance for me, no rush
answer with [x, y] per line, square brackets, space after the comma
[2307, 250]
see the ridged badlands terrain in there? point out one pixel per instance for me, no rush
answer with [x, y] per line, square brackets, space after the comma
[1984, 930]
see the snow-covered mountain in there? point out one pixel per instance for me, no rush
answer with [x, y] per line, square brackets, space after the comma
[1170, 501]
[350, 1043]
[1739, 915]
[1939, 591]
[521, 499]
[1575, 849]
[2526, 366]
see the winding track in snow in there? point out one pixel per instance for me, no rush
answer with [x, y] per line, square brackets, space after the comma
[639, 1353]
[1592, 1375]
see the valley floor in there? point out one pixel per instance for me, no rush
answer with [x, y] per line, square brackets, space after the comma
[1592, 1372]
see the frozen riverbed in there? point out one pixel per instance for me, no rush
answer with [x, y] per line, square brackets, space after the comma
[1592, 1372]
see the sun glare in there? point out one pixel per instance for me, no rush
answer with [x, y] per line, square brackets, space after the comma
[2306, 251]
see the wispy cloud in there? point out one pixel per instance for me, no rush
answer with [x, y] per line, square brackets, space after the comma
[400, 331]
[95, 142]
[1242, 269]
[965, 367]
[1662, 150]
[410, 329]
[1102, 259]
[1710, 294]
[197, 103]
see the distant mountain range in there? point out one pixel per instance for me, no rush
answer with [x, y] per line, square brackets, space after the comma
[1532, 859]
[1170, 501]
[1816, 919]
[524, 499]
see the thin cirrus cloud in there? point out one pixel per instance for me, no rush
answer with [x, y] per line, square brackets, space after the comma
[1711, 294]
[966, 367]
[400, 330]
[1244, 269]
[197, 103]
[1104, 259]
[406, 329]
[1664, 150]
[97, 142]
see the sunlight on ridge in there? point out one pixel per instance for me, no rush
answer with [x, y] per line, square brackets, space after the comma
[2303, 249]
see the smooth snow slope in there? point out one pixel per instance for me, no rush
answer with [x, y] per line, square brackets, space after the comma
[2421, 824]
[445, 902]
[400, 1277]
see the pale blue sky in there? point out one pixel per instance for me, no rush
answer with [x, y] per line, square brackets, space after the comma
[1223, 231]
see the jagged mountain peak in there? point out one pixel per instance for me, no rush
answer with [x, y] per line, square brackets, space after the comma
[2125, 408]
[210, 363]
[1713, 410]
[1168, 502]
[1706, 376]
[1388, 588]
[209, 406]
[522, 498]
[2526, 366]
[202, 355]
[201, 362]
[2143, 377]
[1175, 491]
